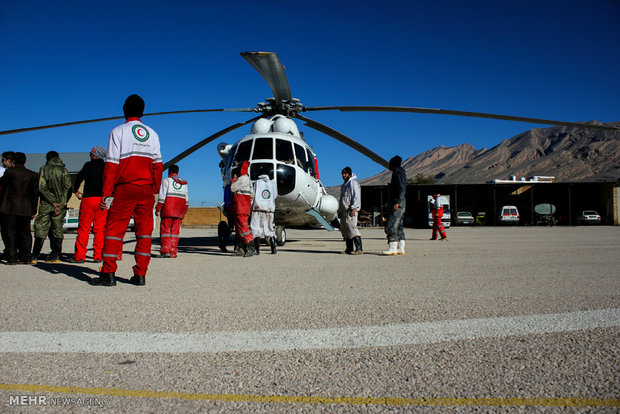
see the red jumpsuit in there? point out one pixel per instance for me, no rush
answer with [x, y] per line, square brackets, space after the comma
[437, 224]
[242, 204]
[172, 205]
[90, 212]
[132, 175]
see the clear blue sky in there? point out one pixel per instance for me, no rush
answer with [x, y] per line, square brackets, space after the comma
[70, 60]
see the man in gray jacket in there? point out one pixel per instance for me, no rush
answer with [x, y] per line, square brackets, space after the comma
[348, 210]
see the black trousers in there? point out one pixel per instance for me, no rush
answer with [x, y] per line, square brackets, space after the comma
[17, 237]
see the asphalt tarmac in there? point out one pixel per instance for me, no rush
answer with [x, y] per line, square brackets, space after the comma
[497, 319]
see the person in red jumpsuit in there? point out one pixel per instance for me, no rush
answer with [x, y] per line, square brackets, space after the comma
[90, 212]
[131, 178]
[172, 205]
[437, 212]
[242, 191]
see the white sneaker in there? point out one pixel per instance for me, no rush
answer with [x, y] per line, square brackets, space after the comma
[401, 247]
[392, 249]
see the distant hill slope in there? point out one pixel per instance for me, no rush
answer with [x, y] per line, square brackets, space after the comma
[569, 154]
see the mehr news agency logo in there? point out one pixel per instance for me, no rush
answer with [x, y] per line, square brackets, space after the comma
[45, 401]
[140, 132]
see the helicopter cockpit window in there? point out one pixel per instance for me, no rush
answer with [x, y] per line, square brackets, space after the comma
[263, 149]
[284, 151]
[260, 168]
[243, 152]
[231, 157]
[285, 179]
[300, 157]
[310, 164]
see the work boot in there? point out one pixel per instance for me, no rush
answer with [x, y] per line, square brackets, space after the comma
[349, 244]
[401, 247]
[257, 245]
[392, 249]
[238, 248]
[105, 279]
[358, 245]
[249, 250]
[273, 244]
[137, 280]
[74, 260]
[54, 256]
[36, 249]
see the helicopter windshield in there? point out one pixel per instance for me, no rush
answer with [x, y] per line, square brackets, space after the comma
[260, 168]
[284, 151]
[243, 152]
[285, 179]
[263, 149]
[300, 156]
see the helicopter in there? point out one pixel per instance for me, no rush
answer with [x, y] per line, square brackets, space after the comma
[276, 146]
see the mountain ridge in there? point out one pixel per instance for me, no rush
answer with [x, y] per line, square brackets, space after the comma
[567, 153]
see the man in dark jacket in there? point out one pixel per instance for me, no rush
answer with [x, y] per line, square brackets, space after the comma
[54, 190]
[394, 227]
[19, 205]
[91, 214]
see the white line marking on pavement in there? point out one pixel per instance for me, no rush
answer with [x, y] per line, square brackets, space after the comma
[286, 340]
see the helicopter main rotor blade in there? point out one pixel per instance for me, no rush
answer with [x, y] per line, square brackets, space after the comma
[271, 69]
[89, 121]
[458, 113]
[205, 141]
[344, 139]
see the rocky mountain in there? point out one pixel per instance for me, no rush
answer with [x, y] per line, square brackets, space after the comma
[567, 153]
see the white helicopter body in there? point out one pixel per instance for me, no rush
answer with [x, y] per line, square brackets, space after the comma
[275, 147]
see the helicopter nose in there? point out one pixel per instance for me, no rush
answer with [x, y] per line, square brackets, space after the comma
[328, 207]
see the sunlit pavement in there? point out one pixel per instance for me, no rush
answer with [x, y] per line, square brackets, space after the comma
[494, 319]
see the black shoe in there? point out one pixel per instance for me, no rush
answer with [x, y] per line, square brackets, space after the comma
[74, 260]
[106, 279]
[272, 244]
[163, 256]
[12, 262]
[257, 246]
[137, 280]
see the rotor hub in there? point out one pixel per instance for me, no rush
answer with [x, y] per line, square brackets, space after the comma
[290, 107]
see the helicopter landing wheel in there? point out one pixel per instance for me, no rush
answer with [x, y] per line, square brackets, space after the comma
[280, 236]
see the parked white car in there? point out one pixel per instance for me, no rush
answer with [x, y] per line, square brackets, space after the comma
[589, 217]
[464, 217]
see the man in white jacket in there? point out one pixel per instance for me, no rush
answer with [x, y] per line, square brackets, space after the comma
[263, 208]
[348, 209]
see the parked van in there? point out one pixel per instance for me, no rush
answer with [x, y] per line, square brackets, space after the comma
[509, 215]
